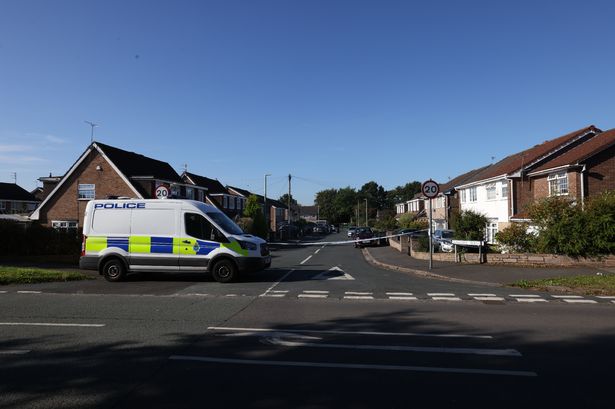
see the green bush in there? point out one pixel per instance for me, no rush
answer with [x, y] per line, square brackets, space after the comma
[566, 228]
[515, 238]
[470, 225]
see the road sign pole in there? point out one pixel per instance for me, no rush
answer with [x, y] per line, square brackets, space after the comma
[430, 236]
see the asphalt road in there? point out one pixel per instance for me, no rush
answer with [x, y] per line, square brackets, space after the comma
[300, 335]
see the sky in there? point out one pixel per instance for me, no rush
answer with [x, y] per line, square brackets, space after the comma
[336, 93]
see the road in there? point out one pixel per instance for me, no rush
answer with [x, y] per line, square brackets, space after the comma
[321, 329]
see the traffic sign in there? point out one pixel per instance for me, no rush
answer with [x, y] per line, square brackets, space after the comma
[430, 189]
[162, 192]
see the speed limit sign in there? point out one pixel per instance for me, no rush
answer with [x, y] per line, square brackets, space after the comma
[430, 189]
[162, 192]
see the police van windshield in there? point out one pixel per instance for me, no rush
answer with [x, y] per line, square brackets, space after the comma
[225, 223]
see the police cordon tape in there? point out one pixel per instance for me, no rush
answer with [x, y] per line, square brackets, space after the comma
[337, 243]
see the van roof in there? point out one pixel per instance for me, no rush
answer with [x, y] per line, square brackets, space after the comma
[184, 203]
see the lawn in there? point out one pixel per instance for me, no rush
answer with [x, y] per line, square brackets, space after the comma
[598, 284]
[30, 275]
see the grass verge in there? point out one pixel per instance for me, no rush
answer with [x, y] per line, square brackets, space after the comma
[30, 275]
[599, 284]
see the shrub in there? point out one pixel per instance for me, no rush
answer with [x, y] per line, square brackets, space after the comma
[600, 222]
[560, 223]
[516, 238]
[470, 225]
[34, 240]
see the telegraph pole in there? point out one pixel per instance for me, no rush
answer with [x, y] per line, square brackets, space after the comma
[265, 208]
[366, 224]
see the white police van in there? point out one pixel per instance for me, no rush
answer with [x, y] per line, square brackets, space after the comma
[121, 236]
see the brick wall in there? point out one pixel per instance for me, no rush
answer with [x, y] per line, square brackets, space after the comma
[65, 204]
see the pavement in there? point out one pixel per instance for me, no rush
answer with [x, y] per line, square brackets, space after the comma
[485, 274]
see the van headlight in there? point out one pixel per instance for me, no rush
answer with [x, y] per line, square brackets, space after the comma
[246, 245]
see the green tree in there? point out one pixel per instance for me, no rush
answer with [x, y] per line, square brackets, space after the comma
[470, 225]
[403, 193]
[516, 238]
[284, 199]
[252, 207]
[325, 200]
[601, 223]
[344, 203]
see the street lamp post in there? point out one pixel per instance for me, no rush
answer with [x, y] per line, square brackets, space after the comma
[265, 205]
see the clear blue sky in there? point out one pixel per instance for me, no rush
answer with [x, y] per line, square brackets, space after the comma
[337, 93]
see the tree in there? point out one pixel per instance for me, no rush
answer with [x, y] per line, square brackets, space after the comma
[344, 203]
[325, 200]
[252, 207]
[470, 225]
[284, 199]
[403, 193]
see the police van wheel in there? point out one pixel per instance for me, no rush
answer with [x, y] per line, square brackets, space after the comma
[224, 271]
[114, 270]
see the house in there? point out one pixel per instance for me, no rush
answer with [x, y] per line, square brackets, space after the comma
[15, 200]
[217, 195]
[501, 189]
[277, 211]
[104, 172]
[584, 171]
[416, 206]
[309, 213]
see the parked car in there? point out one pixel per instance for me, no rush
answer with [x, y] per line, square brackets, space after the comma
[351, 231]
[364, 234]
[404, 231]
[442, 240]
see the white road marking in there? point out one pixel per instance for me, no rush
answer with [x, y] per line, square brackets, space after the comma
[439, 350]
[278, 282]
[317, 250]
[489, 298]
[305, 261]
[279, 291]
[28, 292]
[334, 273]
[531, 300]
[577, 301]
[399, 297]
[606, 297]
[613, 301]
[523, 295]
[358, 297]
[14, 351]
[446, 298]
[50, 324]
[353, 366]
[358, 293]
[197, 294]
[441, 294]
[482, 295]
[231, 295]
[3, 292]
[272, 295]
[316, 291]
[338, 332]
[313, 295]
[400, 294]
[566, 296]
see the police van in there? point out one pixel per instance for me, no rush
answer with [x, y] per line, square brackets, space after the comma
[121, 236]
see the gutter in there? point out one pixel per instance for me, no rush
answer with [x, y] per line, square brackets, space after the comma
[583, 186]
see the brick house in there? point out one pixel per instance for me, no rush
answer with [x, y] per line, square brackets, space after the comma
[16, 200]
[217, 195]
[584, 171]
[104, 172]
[278, 211]
[502, 189]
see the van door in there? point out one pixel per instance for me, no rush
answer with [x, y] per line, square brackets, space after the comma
[200, 238]
[153, 240]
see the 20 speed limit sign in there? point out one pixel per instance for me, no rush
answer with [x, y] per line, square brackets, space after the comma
[430, 189]
[162, 192]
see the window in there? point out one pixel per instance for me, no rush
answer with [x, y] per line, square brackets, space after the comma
[490, 231]
[558, 183]
[87, 191]
[189, 193]
[231, 202]
[439, 202]
[504, 190]
[199, 227]
[491, 195]
[65, 225]
[2, 205]
[225, 202]
[463, 195]
[472, 194]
